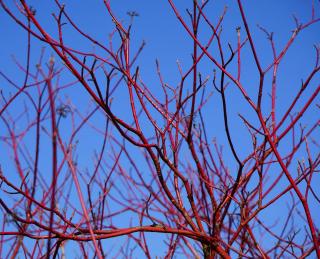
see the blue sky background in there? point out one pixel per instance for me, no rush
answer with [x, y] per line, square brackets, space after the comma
[168, 42]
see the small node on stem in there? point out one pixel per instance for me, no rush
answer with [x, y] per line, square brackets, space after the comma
[132, 14]
[63, 110]
[33, 11]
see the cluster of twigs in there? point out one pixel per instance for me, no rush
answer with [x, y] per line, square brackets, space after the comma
[156, 166]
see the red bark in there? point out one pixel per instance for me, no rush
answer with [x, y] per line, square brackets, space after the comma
[139, 159]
